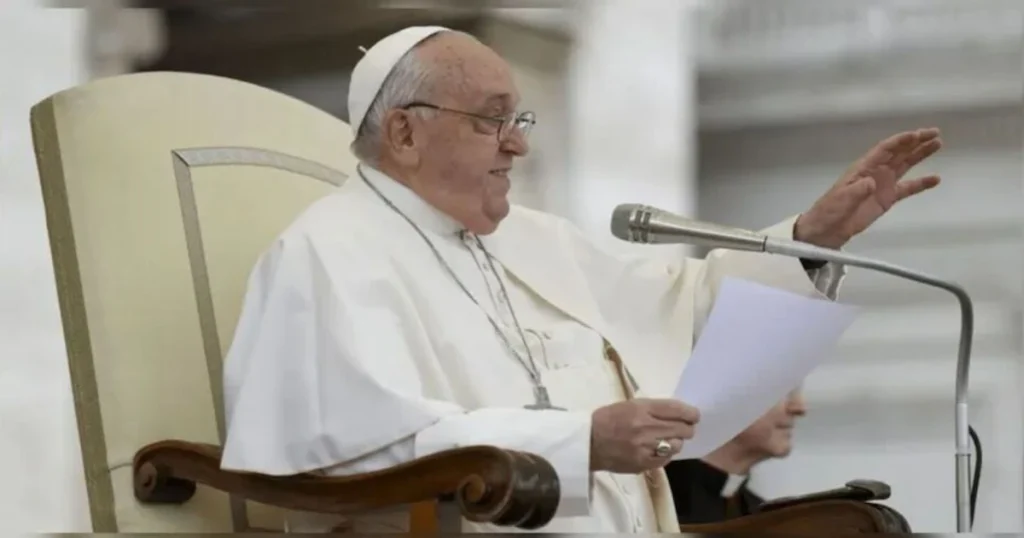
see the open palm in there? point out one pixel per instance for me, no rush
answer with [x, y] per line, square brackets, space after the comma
[869, 188]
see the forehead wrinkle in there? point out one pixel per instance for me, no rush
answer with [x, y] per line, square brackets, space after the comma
[463, 69]
[442, 58]
[448, 81]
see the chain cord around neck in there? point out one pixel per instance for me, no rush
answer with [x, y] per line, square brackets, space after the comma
[531, 366]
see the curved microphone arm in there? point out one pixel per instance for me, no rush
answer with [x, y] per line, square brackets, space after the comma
[639, 223]
[963, 454]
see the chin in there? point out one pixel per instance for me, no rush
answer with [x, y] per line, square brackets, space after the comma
[780, 448]
[497, 210]
[484, 229]
[486, 225]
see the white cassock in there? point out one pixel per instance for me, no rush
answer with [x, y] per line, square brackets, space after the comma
[357, 350]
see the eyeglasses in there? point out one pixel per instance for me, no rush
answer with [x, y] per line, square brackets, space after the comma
[502, 125]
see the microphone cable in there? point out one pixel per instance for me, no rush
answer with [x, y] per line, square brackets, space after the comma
[977, 470]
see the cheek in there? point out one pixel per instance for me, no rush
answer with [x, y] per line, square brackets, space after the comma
[781, 443]
[757, 435]
[473, 176]
[463, 166]
[454, 175]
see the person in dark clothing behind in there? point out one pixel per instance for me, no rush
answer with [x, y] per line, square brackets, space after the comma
[714, 488]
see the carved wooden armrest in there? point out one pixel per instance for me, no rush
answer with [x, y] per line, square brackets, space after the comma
[845, 510]
[817, 518]
[490, 485]
[854, 490]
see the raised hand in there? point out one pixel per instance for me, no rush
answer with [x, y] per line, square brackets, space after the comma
[869, 188]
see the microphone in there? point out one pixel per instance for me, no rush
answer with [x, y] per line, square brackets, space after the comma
[637, 223]
[645, 224]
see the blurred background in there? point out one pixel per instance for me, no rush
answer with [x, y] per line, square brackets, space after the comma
[735, 111]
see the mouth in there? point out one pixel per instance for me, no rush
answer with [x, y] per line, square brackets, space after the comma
[501, 172]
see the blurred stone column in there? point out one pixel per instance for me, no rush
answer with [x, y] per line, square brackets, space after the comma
[45, 47]
[632, 111]
[118, 37]
[43, 489]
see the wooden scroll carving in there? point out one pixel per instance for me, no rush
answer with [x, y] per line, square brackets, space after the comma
[490, 485]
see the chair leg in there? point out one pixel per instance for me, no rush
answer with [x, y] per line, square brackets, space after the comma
[424, 518]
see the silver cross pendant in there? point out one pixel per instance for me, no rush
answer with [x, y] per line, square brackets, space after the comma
[542, 400]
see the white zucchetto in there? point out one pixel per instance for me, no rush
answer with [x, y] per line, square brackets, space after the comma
[375, 66]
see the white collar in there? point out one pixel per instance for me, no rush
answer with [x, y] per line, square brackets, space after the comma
[409, 203]
[732, 484]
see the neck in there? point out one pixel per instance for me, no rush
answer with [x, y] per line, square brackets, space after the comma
[732, 460]
[396, 173]
[393, 172]
[448, 204]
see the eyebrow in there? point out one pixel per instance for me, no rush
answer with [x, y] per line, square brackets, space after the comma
[504, 100]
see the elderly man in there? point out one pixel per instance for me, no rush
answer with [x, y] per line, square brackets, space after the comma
[415, 310]
[715, 488]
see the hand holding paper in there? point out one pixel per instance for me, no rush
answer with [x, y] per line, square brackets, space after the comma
[759, 344]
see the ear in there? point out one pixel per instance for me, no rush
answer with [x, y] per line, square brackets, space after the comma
[398, 136]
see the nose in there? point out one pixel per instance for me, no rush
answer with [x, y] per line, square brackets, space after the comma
[515, 143]
[795, 405]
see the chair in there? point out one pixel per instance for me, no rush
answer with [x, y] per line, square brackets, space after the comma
[161, 190]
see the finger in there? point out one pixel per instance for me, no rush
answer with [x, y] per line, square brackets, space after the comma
[920, 153]
[850, 197]
[674, 410]
[908, 188]
[677, 447]
[671, 429]
[884, 151]
[928, 133]
[899, 144]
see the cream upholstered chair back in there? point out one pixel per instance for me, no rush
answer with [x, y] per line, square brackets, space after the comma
[161, 191]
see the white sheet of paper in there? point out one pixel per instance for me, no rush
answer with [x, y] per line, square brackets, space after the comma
[759, 344]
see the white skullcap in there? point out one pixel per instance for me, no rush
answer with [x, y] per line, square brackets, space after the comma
[371, 71]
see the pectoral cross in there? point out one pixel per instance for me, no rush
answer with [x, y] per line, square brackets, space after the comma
[542, 400]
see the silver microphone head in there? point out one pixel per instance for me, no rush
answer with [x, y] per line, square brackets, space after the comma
[628, 222]
[638, 223]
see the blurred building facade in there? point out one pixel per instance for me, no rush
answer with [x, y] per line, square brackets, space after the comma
[790, 93]
[741, 112]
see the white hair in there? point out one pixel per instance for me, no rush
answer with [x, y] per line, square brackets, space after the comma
[409, 81]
